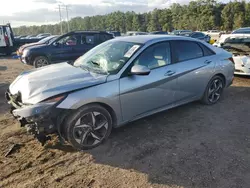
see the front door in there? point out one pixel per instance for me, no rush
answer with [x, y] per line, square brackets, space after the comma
[140, 95]
[65, 49]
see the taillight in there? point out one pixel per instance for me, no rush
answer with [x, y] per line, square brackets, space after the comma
[231, 59]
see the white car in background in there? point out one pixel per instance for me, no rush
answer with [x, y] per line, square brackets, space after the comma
[224, 37]
[239, 46]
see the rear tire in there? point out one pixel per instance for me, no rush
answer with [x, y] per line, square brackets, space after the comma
[40, 61]
[88, 127]
[213, 91]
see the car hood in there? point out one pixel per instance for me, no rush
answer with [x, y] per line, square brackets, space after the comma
[34, 47]
[39, 84]
[29, 45]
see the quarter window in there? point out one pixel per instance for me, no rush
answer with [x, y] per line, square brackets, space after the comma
[186, 50]
[155, 56]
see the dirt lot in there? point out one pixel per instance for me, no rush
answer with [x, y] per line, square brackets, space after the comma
[190, 146]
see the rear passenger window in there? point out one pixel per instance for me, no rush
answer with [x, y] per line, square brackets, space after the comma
[186, 50]
[88, 39]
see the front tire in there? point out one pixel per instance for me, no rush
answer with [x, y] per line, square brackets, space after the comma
[40, 61]
[213, 91]
[88, 127]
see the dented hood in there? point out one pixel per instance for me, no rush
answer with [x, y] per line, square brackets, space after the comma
[39, 84]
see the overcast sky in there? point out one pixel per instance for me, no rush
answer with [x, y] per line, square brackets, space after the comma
[37, 12]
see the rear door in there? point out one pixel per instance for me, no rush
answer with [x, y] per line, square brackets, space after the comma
[87, 42]
[194, 66]
[2, 40]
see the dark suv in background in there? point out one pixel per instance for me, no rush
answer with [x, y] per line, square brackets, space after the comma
[66, 48]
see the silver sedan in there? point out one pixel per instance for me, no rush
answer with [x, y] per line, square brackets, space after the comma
[117, 82]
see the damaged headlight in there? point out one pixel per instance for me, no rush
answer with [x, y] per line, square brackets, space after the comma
[54, 99]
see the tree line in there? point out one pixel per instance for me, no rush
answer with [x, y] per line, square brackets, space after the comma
[199, 15]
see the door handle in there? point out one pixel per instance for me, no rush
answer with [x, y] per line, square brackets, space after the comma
[169, 73]
[208, 62]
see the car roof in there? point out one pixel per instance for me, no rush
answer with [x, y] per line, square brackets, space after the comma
[81, 31]
[243, 28]
[142, 39]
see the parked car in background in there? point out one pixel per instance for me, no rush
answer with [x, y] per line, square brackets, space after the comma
[30, 36]
[223, 37]
[115, 33]
[214, 34]
[65, 48]
[133, 33]
[239, 46]
[181, 32]
[159, 33]
[6, 39]
[46, 40]
[117, 82]
[43, 35]
[198, 35]
[213, 31]
[243, 30]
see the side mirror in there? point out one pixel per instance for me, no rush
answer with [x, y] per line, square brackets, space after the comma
[140, 70]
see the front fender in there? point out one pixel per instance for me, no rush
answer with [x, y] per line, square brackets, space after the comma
[107, 94]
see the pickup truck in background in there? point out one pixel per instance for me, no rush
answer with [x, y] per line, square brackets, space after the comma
[6, 39]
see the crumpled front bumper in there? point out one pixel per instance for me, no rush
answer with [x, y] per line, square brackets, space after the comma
[40, 118]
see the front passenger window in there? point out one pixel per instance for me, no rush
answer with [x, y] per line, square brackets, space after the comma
[155, 56]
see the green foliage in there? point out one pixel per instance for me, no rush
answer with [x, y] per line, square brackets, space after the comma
[197, 15]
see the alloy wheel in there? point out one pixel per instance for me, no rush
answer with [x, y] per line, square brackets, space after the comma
[90, 129]
[42, 62]
[215, 90]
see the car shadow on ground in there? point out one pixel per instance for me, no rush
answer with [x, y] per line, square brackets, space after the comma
[190, 146]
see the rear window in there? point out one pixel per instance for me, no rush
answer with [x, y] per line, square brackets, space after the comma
[186, 50]
[105, 37]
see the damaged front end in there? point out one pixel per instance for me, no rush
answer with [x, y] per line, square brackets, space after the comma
[41, 119]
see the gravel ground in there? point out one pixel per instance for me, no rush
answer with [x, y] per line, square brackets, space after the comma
[189, 146]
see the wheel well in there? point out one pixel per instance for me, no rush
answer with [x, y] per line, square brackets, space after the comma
[110, 110]
[35, 56]
[223, 78]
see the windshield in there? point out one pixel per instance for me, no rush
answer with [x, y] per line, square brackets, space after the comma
[47, 40]
[108, 57]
